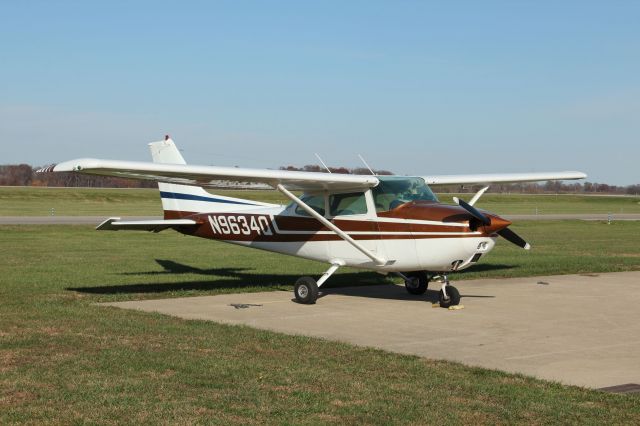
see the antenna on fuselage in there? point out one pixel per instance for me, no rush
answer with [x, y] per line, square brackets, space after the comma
[322, 162]
[365, 163]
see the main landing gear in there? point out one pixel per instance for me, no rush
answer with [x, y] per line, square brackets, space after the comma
[418, 281]
[306, 289]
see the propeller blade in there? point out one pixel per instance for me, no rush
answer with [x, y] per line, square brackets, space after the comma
[476, 197]
[473, 211]
[514, 238]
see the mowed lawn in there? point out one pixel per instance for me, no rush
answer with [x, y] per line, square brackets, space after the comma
[65, 360]
[28, 201]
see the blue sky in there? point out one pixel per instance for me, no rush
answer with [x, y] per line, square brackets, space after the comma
[415, 87]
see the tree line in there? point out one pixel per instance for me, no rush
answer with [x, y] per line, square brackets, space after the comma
[340, 170]
[25, 175]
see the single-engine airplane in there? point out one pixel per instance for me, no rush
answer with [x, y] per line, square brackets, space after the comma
[388, 224]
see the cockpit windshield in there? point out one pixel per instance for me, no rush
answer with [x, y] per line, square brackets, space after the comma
[393, 191]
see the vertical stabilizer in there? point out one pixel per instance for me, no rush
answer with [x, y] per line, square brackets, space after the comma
[179, 201]
[166, 152]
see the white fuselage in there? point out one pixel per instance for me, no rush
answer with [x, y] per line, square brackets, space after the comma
[444, 247]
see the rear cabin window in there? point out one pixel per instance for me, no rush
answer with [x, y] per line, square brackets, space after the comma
[347, 204]
[316, 202]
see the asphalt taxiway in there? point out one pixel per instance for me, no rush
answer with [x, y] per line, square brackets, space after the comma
[96, 220]
[64, 220]
[576, 329]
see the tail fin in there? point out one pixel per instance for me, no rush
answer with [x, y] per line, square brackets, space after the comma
[166, 152]
[180, 201]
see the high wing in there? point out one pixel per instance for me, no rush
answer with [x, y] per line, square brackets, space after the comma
[210, 176]
[501, 178]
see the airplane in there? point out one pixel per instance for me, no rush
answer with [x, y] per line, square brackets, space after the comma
[388, 224]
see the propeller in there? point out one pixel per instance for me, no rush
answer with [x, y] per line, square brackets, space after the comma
[473, 211]
[514, 238]
[505, 233]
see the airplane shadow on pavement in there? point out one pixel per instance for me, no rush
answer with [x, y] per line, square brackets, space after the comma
[358, 284]
[391, 292]
[225, 278]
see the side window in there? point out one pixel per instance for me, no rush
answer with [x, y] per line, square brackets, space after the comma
[316, 202]
[347, 204]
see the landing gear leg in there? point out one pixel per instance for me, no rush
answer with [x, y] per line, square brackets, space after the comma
[306, 288]
[449, 295]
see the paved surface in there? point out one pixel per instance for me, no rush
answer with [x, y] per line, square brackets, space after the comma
[577, 329]
[585, 216]
[65, 220]
[95, 220]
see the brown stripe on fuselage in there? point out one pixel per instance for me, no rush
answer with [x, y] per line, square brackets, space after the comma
[174, 214]
[428, 210]
[301, 229]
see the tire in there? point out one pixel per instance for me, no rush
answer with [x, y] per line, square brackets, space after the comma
[454, 297]
[417, 283]
[306, 291]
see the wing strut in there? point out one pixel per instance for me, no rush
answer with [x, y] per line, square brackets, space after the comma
[378, 260]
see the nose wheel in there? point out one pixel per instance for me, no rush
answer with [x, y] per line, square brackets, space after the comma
[449, 295]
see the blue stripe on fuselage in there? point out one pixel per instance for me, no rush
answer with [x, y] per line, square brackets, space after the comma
[178, 196]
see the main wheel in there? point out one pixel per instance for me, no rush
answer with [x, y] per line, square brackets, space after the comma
[453, 298]
[417, 282]
[306, 290]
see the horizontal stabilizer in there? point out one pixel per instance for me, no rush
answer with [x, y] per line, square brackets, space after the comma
[115, 224]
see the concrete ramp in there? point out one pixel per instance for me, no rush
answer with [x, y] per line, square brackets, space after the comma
[576, 329]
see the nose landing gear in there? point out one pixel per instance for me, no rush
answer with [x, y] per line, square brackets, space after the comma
[418, 281]
[449, 295]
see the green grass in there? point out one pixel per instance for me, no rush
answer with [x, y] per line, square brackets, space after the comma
[35, 201]
[553, 204]
[28, 201]
[65, 360]
[564, 247]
